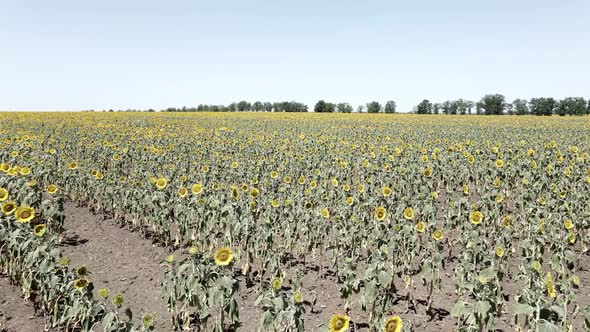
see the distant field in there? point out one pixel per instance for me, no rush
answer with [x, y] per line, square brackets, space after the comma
[292, 222]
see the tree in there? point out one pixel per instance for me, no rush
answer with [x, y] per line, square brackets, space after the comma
[257, 106]
[267, 107]
[436, 108]
[330, 108]
[572, 106]
[493, 104]
[390, 106]
[320, 107]
[373, 107]
[520, 106]
[446, 107]
[231, 107]
[542, 106]
[469, 105]
[344, 108]
[509, 109]
[361, 108]
[425, 107]
[243, 106]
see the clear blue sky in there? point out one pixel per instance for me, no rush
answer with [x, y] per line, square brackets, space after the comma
[71, 55]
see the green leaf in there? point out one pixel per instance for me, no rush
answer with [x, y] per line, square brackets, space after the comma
[523, 309]
[459, 309]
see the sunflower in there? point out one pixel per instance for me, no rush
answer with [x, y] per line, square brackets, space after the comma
[499, 251]
[287, 179]
[3, 194]
[182, 192]
[499, 198]
[223, 256]
[276, 283]
[301, 180]
[254, 193]
[568, 224]
[103, 292]
[4, 167]
[24, 214]
[506, 222]
[161, 183]
[471, 159]
[234, 164]
[361, 188]
[386, 191]
[499, 163]
[313, 184]
[39, 230]
[274, 174]
[8, 207]
[334, 182]
[380, 213]
[339, 323]
[393, 324]
[476, 217]
[116, 157]
[118, 300]
[82, 270]
[32, 183]
[349, 201]
[297, 297]
[72, 165]
[325, 213]
[81, 283]
[437, 235]
[308, 205]
[427, 172]
[572, 237]
[147, 321]
[235, 193]
[99, 175]
[408, 213]
[550, 286]
[51, 189]
[275, 203]
[420, 227]
[197, 188]
[25, 171]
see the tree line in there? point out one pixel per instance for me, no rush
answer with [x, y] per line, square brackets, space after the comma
[496, 104]
[490, 104]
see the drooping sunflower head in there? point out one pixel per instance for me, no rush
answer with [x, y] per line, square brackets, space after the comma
[499, 251]
[39, 230]
[81, 284]
[3, 194]
[24, 214]
[393, 324]
[297, 297]
[325, 213]
[82, 270]
[223, 256]
[161, 183]
[339, 323]
[32, 183]
[277, 283]
[380, 213]
[51, 189]
[568, 224]
[476, 217]
[8, 207]
[408, 213]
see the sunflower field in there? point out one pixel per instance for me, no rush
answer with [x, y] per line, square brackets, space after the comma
[478, 222]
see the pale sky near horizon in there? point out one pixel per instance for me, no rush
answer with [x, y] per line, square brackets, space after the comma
[74, 55]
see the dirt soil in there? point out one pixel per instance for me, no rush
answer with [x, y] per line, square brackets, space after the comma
[125, 262]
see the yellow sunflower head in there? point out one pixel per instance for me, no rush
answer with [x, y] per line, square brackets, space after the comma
[420, 227]
[81, 284]
[39, 230]
[51, 189]
[393, 324]
[476, 217]
[3, 194]
[499, 251]
[568, 224]
[24, 214]
[223, 256]
[182, 192]
[325, 213]
[8, 207]
[161, 183]
[254, 193]
[386, 191]
[499, 163]
[408, 213]
[380, 213]
[437, 235]
[25, 171]
[72, 165]
[339, 323]
[197, 188]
